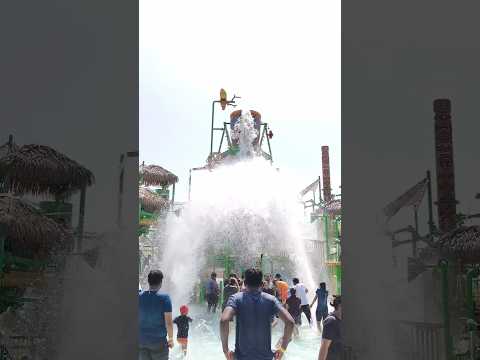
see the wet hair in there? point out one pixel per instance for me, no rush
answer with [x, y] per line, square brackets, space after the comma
[323, 286]
[232, 281]
[293, 291]
[155, 278]
[213, 275]
[233, 275]
[253, 278]
[295, 281]
[337, 301]
[278, 276]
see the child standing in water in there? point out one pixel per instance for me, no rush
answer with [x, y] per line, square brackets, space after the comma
[322, 307]
[183, 324]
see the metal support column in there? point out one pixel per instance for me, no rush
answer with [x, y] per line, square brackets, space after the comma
[81, 217]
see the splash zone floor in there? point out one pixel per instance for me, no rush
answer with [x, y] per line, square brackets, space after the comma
[204, 339]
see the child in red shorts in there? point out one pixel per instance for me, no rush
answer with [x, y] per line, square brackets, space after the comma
[183, 324]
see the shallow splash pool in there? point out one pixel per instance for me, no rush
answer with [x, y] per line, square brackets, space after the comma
[205, 344]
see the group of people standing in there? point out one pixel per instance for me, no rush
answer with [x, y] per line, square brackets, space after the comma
[255, 302]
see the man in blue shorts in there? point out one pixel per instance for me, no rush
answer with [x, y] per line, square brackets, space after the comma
[254, 310]
[155, 320]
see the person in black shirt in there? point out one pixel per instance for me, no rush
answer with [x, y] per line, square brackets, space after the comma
[294, 308]
[229, 290]
[331, 347]
[183, 324]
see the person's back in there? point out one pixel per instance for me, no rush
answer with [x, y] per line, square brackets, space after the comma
[293, 307]
[211, 287]
[152, 308]
[254, 311]
[301, 291]
[322, 298]
[282, 287]
[332, 331]
[183, 325]
[331, 347]
[228, 291]
[322, 305]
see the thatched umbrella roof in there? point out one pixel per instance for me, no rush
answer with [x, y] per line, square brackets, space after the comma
[462, 243]
[150, 201]
[39, 169]
[154, 175]
[28, 229]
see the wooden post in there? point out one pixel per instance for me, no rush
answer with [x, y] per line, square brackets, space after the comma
[120, 191]
[173, 196]
[81, 217]
[430, 204]
[319, 189]
[444, 165]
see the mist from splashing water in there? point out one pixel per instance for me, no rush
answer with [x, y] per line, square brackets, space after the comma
[248, 207]
[244, 209]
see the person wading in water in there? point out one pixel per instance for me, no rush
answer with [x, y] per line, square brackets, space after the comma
[321, 295]
[155, 320]
[302, 291]
[212, 292]
[331, 347]
[254, 310]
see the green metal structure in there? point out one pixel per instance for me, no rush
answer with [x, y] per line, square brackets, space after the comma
[332, 235]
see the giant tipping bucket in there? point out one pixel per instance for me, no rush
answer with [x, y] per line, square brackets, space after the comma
[257, 117]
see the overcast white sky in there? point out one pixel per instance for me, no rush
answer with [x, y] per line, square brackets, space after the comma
[282, 58]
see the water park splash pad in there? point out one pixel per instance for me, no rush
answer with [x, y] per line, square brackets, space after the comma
[204, 339]
[243, 209]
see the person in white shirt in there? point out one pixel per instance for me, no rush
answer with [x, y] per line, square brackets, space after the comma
[301, 293]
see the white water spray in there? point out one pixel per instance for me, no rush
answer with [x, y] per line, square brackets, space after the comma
[243, 210]
[244, 131]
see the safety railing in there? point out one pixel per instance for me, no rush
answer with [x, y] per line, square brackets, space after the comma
[420, 340]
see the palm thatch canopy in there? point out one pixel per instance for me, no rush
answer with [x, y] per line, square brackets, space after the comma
[39, 169]
[28, 229]
[462, 243]
[150, 201]
[154, 175]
